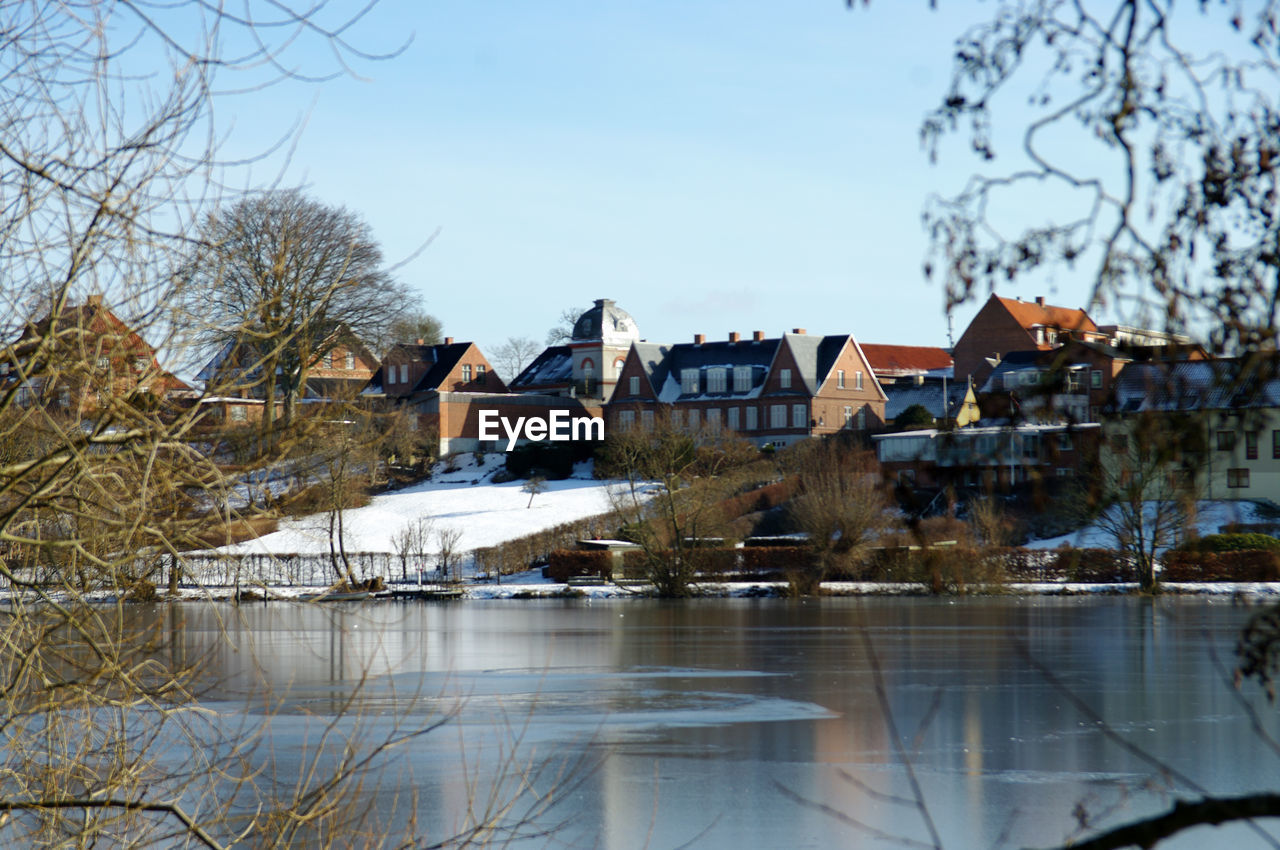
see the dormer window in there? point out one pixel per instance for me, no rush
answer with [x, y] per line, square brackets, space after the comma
[717, 380]
[688, 381]
[1039, 336]
[741, 379]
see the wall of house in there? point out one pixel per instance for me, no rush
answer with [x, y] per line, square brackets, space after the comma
[993, 331]
[457, 415]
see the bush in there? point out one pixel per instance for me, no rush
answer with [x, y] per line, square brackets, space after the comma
[553, 461]
[1231, 543]
[1231, 565]
[567, 563]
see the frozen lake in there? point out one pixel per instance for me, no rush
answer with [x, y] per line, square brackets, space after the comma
[737, 723]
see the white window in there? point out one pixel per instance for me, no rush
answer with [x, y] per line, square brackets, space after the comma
[735, 421]
[1073, 381]
[741, 379]
[688, 381]
[784, 378]
[140, 364]
[857, 380]
[617, 365]
[646, 419]
[64, 396]
[839, 379]
[693, 419]
[713, 419]
[328, 360]
[238, 413]
[848, 416]
[862, 418]
[676, 418]
[752, 418]
[799, 416]
[626, 419]
[634, 384]
[1029, 378]
[717, 380]
[350, 360]
[404, 373]
[1039, 336]
[104, 362]
[466, 372]
[1009, 380]
[778, 416]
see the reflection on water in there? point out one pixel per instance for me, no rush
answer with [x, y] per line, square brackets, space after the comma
[707, 719]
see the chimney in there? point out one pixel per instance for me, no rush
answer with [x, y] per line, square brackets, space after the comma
[797, 330]
[699, 339]
[734, 336]
[448, 340]
[757, 336]
[420, 342]
[1039, 300]
[94, 300]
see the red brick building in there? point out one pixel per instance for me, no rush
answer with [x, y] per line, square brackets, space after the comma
[771, 391]
[76, 361]
[1008, 324]
[413, 369]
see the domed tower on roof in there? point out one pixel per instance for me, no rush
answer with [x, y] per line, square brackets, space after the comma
[602, 336]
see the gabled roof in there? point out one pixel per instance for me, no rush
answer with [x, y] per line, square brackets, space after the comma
[1029, 314]
[553, 367]
[905, 359]
[929, 394]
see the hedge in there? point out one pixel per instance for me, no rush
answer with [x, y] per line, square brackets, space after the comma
[1248, 565]
[564, 564]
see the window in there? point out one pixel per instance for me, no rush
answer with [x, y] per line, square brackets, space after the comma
[588, 372]
[480, 373]
[64, 396]
[862, 418]
[799, 416]
[1008, 379]
[741, 379]
[676, 418]
[1095, 379]
[617, 365]
[1029, 378]
[350, 360]
[752, 418]
[466, 372]
[634, 385]
[1064, 442]
[1251, 445]
[140, 364]
[734, 419]
[238, 413]
[1275, 444]
[646, 419]
[104, 362]
[857, 380]
[626, 419]
[778, 416]
[688, 381]
[693, 419]
[717, 380]
[404, 373]
[328, 359]
[1063, 472]
[713, 419]
[1226, 441]
[1039, 336]
[1073, 382]
[1237, 478]
[784, 378]
[839, 379]
[848, 416]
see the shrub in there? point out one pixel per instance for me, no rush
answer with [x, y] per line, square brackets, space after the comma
[1232, 565]
[1232, 543]
[567, 563]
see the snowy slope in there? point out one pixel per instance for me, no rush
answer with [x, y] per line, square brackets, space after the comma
[484, 512]
[1210, 517]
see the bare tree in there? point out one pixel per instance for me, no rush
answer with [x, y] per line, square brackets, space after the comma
[277, 280]
[535, 485]
[513, 355]
[447, 538]
[413, 542]
[562, 331]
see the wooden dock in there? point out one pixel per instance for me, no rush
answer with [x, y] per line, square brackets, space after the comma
[425, 593]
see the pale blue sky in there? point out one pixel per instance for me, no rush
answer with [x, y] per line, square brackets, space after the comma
[712, 166]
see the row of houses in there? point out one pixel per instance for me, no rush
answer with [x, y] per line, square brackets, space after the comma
[1030, 390]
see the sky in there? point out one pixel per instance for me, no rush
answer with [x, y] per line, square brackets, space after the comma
[712, 167]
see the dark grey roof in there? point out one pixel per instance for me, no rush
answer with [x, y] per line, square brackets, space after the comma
[928, 394]
[1226, 384]
[553, 367]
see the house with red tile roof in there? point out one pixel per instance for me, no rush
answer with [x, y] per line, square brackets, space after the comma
[893, 362]
[1011, 324]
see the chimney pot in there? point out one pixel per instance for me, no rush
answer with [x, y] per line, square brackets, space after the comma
[420, 341]
[757, 336]
[448, 340]
[699, 339]
[733, 336]
[797, 330]
[94, 300]
[1040, 300]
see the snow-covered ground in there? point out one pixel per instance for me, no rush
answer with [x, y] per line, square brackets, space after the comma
[466, 500]
[1210, 517]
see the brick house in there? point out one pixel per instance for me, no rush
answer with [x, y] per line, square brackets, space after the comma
[770, 391]
[235, 391]
[412, 369]
[1007, 324]
[75, 362]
